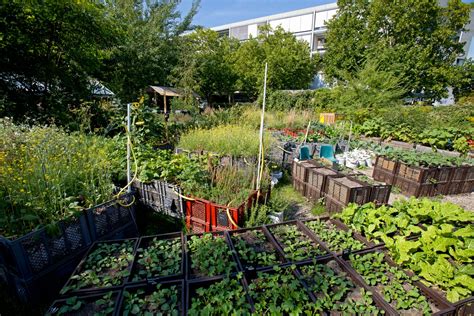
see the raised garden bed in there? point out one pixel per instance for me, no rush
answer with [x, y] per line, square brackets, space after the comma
[294, 244]
[208, 255]
[159, 257]
[338, 292]
[218, 297]
[107, 265]
[396, 287]
[254, 249]
[279, 292]
[334, 238]
[300, 169]
[165, 298]
[98, 304]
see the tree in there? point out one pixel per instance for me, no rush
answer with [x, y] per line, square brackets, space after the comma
[47, 52]
[290, 65]
[151, 32]
[205, 64]
[416, 40]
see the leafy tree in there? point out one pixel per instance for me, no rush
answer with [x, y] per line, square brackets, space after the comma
[290, 65]
[47, 51]
[205, 64]
[416, 40]
[369, 89]
[150, 31]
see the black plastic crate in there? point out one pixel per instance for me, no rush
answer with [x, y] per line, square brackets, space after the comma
[110, 300]
[143, 244]
[161, 197]
[143, 292]
[113, 219]
[38, 251]
[91, 287]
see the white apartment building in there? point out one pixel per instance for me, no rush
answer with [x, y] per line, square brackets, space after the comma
[306, 24]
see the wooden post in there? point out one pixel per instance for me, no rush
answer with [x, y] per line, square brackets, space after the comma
[165, 107]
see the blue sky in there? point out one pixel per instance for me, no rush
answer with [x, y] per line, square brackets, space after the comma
[218, 12]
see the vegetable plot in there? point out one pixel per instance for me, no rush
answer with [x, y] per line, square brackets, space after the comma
[393, 284]
[295, 244]
[103, 305]
[225, 297]
[106, 266]
[254, 250]
[335, 292]
[441, 247]
[209, 256]
[162, 300]
[157, 258]
[336, 239]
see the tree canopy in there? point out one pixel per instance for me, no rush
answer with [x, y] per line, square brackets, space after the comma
[416, 40]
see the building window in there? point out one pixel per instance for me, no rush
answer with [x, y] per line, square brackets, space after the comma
[240, 33]
[319, 43]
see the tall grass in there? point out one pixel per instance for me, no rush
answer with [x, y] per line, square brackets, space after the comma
[233, 140]
[47, 175]
[296, 119]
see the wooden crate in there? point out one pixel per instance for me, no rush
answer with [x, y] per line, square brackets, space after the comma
[382, 175]
[316, 187]
[299, 186]
[300, 169]
[346, 190]
[412, 188]
[386, 164]
[418, 174]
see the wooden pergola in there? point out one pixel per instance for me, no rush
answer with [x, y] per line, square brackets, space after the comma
[165, 92]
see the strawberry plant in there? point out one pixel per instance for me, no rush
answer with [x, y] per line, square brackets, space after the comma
[210, 256]
[279, 293]
[254, 249]
[296, 245]
[161, 257]
[226, 297]
[336, 239]
[106, 266]
[74, 305]
[161, 301]
[335, 292]
[393, 284]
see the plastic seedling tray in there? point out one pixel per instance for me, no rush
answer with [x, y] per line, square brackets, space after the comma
[101, 303]
[254, 249]
[94, 273]
[159, 257]
[218, 296]
[332, 237]
[294, 244]
[208, 255]
[389, 281]
[337, 290]
[166, 298]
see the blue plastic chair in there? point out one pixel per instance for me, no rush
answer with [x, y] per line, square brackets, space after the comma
[327, 152]
[304, 153]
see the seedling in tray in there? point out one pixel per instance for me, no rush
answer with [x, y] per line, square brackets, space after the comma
[335, 292]
[162, 300]
[393, 284]
[210, 256]
[279, 293]
[253, 249]
[99, 305]
[336, 239]
[225, 297]
[296, 245]
[157, 258]
[106, 266]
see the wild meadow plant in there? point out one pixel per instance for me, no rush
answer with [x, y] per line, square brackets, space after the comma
[47, 175]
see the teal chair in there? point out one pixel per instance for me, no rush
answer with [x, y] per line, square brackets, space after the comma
[327, 152]
[304, 153]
